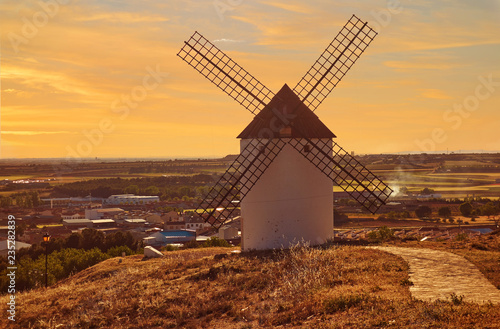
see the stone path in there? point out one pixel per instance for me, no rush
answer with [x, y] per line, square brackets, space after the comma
[437, 274]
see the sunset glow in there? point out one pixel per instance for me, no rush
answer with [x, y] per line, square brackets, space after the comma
[102, 79]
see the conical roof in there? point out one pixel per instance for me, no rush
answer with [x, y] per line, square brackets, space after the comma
[286, 116]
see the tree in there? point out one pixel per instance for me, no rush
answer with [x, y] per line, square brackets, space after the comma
[132, 189]
[5, 201]
[466, 209]
[339, 217]
[92, 238]
[119, 239]
[152, 190]
[35, 199]
[73, 241]
[444, 212]
[20, 201]
[489, 209]
[20, 229]
[185, 191]
[423, 211]
[427, 191]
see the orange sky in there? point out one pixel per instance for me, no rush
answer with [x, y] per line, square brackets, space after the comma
[72, 71]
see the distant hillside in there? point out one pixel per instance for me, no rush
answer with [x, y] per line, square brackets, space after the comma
[230, 157]
[213, 288]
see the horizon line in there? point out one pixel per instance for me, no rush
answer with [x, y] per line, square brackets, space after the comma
[208, 157]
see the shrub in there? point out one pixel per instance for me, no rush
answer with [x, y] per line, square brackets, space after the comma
[456, 300]
[382, 234]
[192, 244]
[170, 247]
[406, 282]
[342, 303]
[117, 251]
[216, 242]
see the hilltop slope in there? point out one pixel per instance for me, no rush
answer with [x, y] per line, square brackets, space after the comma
[211, 288]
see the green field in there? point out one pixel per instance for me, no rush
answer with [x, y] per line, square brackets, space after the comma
[453, 175]
[16, 177]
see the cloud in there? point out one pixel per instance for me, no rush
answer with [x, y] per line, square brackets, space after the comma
[65, 78]
[123, 17]
[414, 65]
[34, 133]
[227, 40]
[434, 94]
[300, 7]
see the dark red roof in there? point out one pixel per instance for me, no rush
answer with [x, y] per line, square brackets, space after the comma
[286, 107]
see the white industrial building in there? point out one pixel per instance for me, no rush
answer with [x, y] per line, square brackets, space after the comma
[123, 199]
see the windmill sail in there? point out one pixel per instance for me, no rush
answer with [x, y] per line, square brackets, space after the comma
[345, 171]
[224, 197]
[334, 62]
[231, 78]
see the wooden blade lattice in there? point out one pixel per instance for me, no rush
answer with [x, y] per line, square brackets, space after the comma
[231, 78]
[224, 197]
[345, 171]
[334, 62]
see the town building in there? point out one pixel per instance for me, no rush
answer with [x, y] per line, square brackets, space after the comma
[76, 224]
[73, 216]
[168, 237]
[103, 223]
[173, 221]
[196, 223]
[101, 213]
[134, 222]
[4, 246]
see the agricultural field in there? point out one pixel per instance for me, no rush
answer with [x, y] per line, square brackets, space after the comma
[449, 185]
[452, 175]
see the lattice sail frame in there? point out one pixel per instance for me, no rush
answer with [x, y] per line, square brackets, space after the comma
[231, 78]
[343, 169]
[334, 62]
[224, 197]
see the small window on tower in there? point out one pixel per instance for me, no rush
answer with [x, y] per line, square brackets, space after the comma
[307, 148]
[286, 131]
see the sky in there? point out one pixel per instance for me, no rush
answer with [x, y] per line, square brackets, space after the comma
[102, 79]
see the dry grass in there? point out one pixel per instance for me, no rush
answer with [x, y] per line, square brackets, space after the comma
[303, 287]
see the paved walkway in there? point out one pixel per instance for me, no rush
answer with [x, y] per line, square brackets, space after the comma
[437, 274]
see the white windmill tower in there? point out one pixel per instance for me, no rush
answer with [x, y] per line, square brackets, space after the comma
[288, 161]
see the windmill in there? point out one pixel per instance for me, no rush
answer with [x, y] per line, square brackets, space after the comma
[288, 163]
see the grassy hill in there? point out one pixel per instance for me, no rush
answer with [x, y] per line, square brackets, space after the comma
[338, 287]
